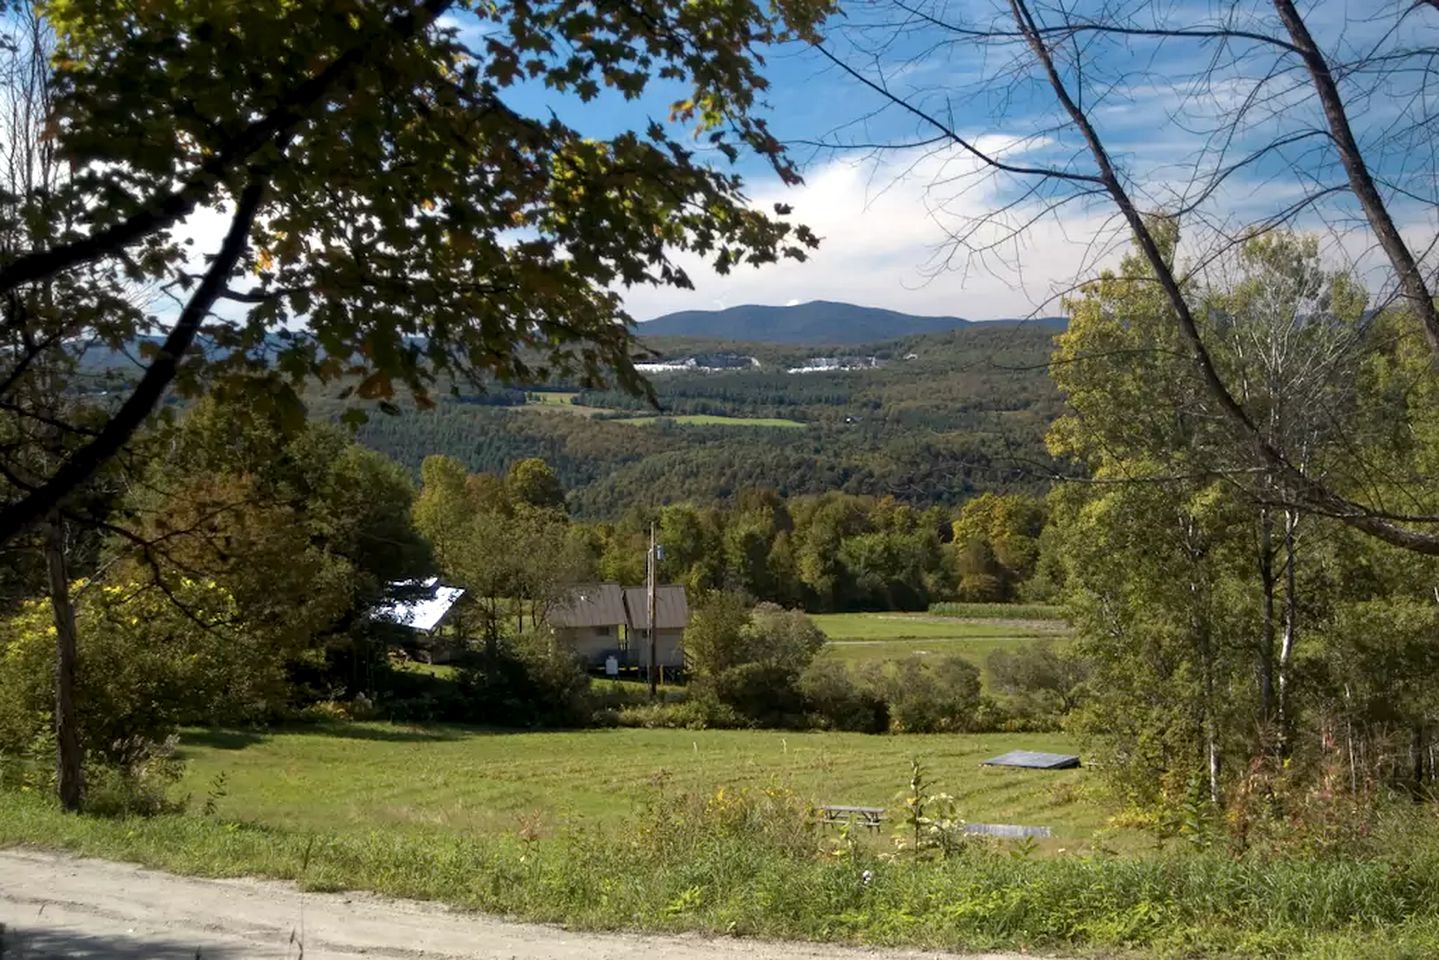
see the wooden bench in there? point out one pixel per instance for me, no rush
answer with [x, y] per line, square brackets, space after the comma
[834, 814]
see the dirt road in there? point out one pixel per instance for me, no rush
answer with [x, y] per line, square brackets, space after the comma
[60, 906]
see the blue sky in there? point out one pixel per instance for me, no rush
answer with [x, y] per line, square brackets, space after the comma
[916, 229]
[888, 219]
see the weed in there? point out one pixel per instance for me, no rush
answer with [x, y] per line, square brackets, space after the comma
[216, 793]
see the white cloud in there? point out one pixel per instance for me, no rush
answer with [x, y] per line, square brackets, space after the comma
[886, 232]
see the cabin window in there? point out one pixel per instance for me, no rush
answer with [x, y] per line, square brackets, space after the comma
[602, 631]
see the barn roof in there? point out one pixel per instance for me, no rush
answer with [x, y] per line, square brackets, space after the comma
[418, 604]
[672, 609]
[589, 605]
[1033, 759]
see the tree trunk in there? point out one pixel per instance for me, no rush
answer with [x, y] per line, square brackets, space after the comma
[67, 735]
[1267, 705]
[1291, 621]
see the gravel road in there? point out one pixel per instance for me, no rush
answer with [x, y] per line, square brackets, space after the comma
[54, 905]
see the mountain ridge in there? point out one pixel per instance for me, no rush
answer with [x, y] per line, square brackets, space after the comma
[818, 322]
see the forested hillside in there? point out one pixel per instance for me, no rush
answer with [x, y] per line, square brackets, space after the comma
[937, 419]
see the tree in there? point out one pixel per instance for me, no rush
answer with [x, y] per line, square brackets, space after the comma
[391, 218]
[469, 524]
[1266, 93]
[43, 421]
[1192, 583]
[997, 535]
[715, 638]
[301, 530]
[532, 482]
[691, 548]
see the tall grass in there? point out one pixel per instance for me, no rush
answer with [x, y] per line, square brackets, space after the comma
[748, 863]
[998, 611]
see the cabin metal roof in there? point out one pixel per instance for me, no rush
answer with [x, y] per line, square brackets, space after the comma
[418, 604]
[589, 605]
[672, 609]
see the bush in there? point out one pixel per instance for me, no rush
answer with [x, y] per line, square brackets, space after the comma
[137, 783]
[1042, 681]
[841, 702]
[531, 682]
[144, 667]
[749, 661]
[941, 695]
[763, 693]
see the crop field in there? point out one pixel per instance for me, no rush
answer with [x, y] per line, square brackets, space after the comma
[372, 776]
[709, 420]
[861, 637]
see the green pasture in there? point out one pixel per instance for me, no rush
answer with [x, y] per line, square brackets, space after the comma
[373, 776]
[871, 637]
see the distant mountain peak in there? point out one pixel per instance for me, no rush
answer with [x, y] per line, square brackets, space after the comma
[818, 322]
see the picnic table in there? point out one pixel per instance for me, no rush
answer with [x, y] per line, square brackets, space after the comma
[868, 817]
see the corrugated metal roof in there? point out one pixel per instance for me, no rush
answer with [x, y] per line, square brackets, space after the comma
[422, 603]
[1031, 758]
[672, 608]
[590, 605]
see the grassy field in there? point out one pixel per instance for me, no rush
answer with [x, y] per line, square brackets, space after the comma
[861, 637]
[362, 777]
[709, 420]
[596, 830]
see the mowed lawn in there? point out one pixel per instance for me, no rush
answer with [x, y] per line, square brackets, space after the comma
[710, 420]
[373, 776]
[860, 637]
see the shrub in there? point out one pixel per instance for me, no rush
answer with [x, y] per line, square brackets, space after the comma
[764, 693]
[750, 661]
[840, 701]
[145, 665]
[936, 696]
[135, 780]
[1044, 682]
[530, 682]
[783, 637]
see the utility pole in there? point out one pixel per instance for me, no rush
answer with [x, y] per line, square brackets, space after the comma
[653, 564]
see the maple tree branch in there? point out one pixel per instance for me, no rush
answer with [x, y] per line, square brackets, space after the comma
[162, 212]
[20, 515]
